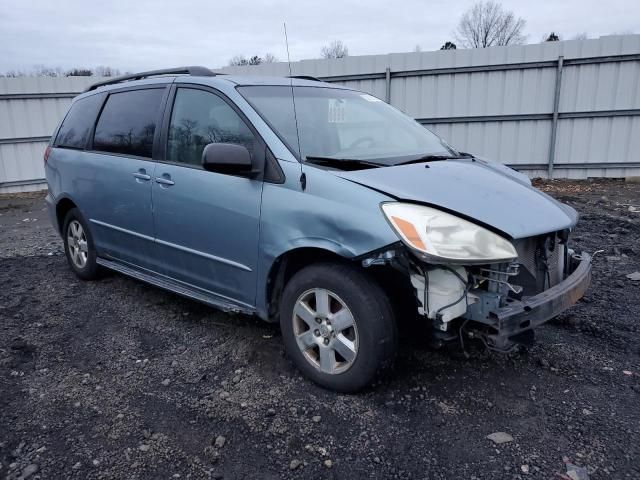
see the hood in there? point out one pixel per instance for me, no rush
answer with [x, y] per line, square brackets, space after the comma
[489, 194]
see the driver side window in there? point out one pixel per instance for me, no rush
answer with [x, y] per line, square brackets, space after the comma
[199, 118]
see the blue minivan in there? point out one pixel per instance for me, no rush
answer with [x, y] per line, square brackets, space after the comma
[310, 204]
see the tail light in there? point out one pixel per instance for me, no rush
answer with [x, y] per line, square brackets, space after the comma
[47, 152]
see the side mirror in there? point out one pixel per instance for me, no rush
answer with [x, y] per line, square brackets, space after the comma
[226, 158]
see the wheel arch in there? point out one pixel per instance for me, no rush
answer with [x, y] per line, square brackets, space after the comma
[63, 205]
[288, 264]
[393, 282]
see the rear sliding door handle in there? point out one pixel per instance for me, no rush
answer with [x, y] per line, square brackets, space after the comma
[165, 180]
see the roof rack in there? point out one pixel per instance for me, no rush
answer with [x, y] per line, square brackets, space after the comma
[306, 77]
[197, 71]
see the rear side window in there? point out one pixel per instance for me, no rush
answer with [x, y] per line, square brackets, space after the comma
[128, 122]
[76, 127]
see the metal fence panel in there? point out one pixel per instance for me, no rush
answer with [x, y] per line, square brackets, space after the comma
[30, 109]
[568, 108]
[26, 118]
[499, 102]
[21, 166]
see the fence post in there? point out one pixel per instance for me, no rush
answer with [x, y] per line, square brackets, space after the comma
[387, 78]
[554, 120]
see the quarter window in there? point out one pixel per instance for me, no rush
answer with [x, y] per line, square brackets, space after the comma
[77, 125]
[199, 118]
[128, 122]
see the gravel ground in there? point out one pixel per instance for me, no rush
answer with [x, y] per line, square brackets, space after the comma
[117, 379]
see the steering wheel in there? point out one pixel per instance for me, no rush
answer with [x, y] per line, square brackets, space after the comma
[360, 141]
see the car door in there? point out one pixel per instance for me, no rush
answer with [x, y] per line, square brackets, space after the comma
[207, 223]
[117, 175]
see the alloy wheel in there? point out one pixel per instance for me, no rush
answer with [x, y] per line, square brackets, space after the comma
[325, 331]
[77, 244]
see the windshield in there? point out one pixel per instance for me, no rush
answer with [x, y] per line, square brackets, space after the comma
[341, 124]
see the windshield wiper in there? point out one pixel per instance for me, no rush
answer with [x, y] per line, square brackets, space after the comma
[343, 163]
[432, 158]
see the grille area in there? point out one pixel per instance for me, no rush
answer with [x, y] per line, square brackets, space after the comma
[541, 262]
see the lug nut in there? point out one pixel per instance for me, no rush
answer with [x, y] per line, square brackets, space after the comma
[316, 333]
[318, 320]
[326, 341]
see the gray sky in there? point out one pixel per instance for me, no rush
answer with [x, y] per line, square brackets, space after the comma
[144, 34]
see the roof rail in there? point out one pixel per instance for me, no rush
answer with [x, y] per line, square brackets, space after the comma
[306, 77]
[197, 71]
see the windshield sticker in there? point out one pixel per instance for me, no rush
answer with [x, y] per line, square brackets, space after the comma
[336, 110]
[370, 98]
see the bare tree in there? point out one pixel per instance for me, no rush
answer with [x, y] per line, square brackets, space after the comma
[488, 24]
[103, 71]
[417, 48]
[335, 49]
[237, 60]
[448, 46]
[44, 71]
[14, 74]
[269, 58]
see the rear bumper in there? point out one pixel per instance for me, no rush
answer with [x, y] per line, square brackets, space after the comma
[51, 208]
[530, 312]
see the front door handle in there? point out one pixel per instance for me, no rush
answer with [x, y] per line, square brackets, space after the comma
[165, 180]
[141, 175]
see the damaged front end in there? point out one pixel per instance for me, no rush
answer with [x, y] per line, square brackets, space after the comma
[486, 254]
[498, 303]
[501, 303]
[511, 299]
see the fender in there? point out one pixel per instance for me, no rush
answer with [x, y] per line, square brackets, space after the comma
[329, 214]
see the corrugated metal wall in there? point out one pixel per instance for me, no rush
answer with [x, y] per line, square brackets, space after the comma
[497, 103]
[30, 109]
[511, 93]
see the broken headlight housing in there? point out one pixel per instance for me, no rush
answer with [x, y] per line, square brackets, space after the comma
[440, 237]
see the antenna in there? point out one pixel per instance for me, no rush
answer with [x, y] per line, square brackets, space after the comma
[293, 100]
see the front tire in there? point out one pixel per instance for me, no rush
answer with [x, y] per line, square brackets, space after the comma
[78, 246]
[338, 326]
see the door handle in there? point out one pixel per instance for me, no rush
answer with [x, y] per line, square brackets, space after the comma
[141, 175]
[165, 180]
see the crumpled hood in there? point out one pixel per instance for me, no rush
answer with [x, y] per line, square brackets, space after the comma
[486, 193]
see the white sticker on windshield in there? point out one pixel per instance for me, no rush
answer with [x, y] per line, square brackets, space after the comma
[336, 110]
[370, 98]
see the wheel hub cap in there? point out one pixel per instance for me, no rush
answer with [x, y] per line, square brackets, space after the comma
[325, 331]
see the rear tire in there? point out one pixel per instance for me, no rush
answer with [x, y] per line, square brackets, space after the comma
[78, 246]
[338, 326]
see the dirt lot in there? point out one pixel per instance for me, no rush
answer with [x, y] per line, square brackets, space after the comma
[117, 379]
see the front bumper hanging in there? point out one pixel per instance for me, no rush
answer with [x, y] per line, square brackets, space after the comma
[530, 312]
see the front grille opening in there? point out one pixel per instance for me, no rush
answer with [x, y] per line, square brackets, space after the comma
[542, 261]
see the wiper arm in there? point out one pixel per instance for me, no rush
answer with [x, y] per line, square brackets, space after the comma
[431, 158]
[346, 163]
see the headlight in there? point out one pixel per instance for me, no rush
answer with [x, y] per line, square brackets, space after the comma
[442, 236]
